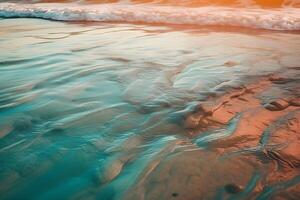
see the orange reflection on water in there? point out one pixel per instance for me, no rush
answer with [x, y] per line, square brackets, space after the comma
[244, 3]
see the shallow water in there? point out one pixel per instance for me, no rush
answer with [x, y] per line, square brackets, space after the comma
[87, 108]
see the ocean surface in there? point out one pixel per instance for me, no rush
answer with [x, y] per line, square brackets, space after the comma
[97, 99]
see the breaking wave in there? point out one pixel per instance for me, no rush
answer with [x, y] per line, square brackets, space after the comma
[273, 19]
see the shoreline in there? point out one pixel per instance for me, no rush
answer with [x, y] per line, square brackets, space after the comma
[148, 112]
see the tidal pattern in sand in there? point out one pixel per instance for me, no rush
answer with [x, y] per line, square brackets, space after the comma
[134, 111]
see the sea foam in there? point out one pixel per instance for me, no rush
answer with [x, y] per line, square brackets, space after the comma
[273, 19]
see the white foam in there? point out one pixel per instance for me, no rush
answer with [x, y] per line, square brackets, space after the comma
[274, 19]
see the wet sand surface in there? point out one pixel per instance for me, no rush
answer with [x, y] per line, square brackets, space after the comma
[241, 147]
[132, 111]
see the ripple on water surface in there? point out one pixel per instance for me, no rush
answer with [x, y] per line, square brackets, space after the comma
[121, 111]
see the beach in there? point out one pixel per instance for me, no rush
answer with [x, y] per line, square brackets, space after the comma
[148, 110]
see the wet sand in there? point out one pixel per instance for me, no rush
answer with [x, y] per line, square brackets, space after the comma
[133, 111]
[262, 150]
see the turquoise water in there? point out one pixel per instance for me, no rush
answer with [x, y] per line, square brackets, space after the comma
[85, 108]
